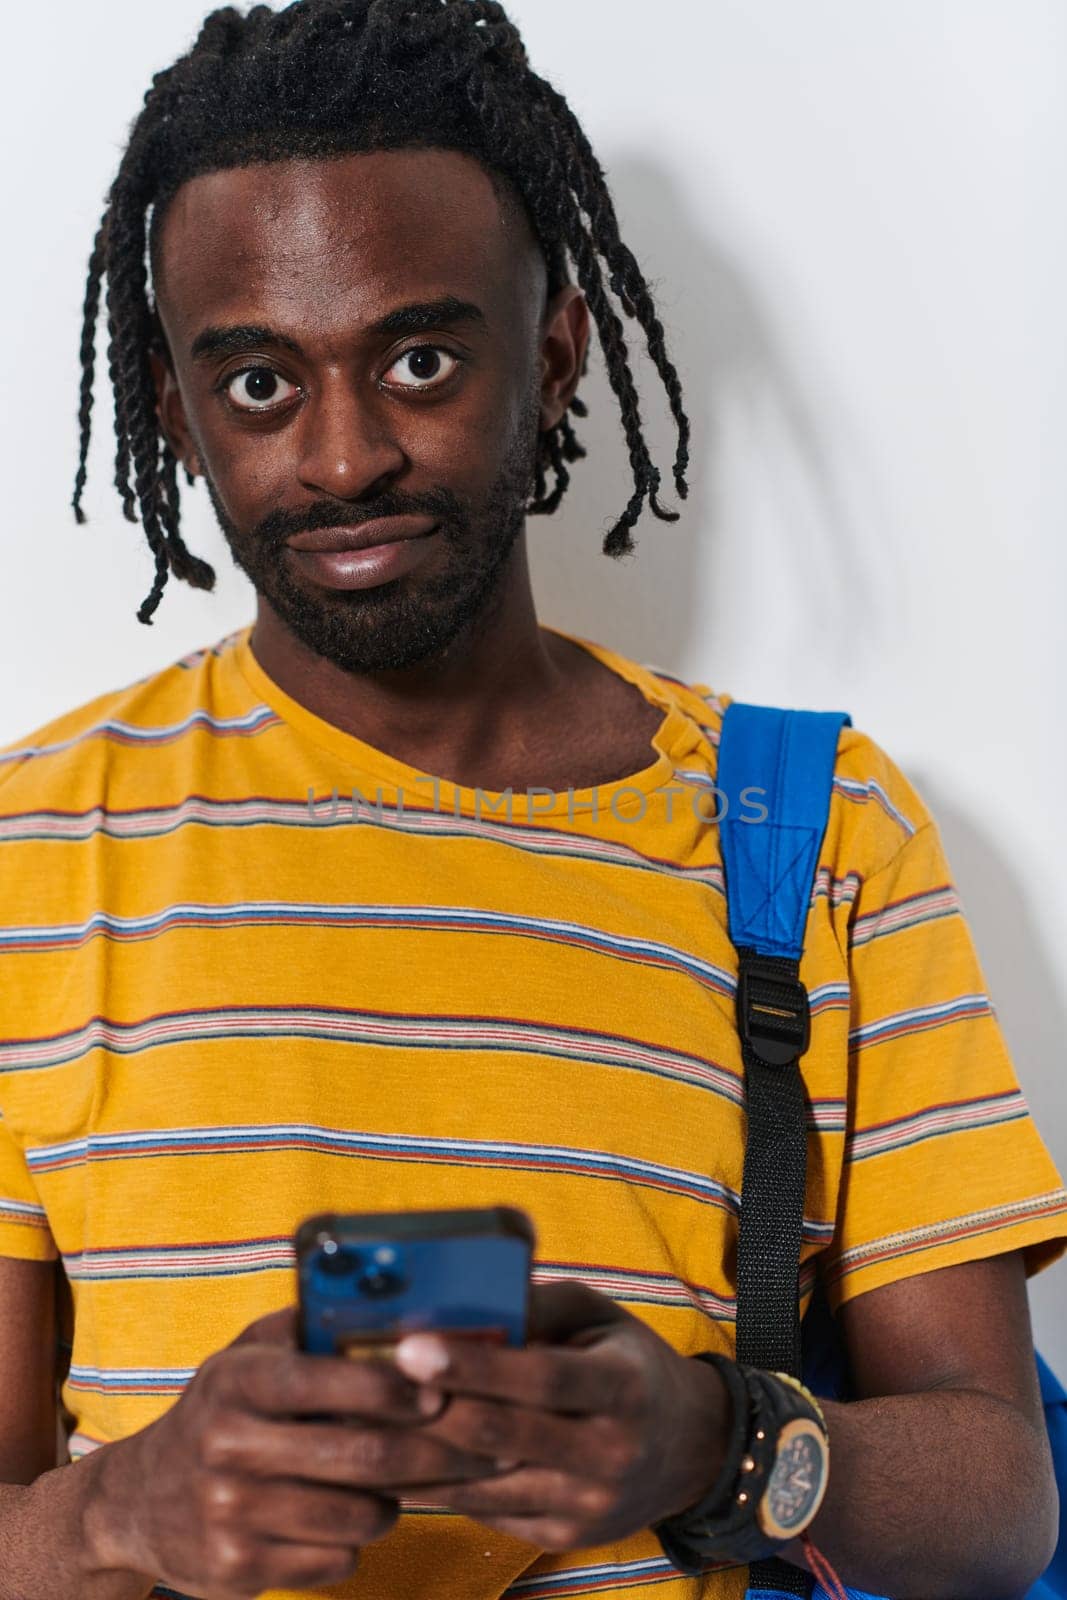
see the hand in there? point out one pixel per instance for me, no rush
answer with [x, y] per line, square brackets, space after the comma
[600, 1428]
[242, 1486]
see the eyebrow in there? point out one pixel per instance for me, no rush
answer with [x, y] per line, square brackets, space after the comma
[416, 317]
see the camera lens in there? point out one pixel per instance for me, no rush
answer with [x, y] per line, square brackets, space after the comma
[377, 1282]
[334, 1261]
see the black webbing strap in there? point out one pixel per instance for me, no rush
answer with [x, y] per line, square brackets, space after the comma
[774, 1025]
[781, 1577]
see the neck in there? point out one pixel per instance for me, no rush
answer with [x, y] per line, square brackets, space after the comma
[460, 712]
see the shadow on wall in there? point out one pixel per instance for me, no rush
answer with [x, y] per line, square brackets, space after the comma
[1026, 990]
[762, 445]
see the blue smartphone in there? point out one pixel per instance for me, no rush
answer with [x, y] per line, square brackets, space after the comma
[367, 1278]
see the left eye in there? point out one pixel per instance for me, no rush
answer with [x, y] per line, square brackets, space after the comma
[259, 388]
[426, 365]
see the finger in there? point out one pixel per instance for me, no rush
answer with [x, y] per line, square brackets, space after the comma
[581, 1382]
[595, 1447]
[284, 1509]
[275, 1327]
[275, 1565]
[558, 1312]
[547, 1533]
[294, 1383]
[526, 1492]
[371, 1457]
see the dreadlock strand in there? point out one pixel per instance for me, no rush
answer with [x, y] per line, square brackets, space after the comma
[90, 312]
[612, 340]
[151, 601]
[563, 477]
[144, 450]
[184, 564]
[128, 326]
[572, 450]
[631, 287]
[613, 343]
[537, 503]
[137, 426]
[627, 281]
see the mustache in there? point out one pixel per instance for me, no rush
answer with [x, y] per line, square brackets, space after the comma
[281, 524]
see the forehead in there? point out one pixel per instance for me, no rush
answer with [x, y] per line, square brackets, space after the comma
[317, 243]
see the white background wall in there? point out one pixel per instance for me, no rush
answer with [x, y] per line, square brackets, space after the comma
[853, 215]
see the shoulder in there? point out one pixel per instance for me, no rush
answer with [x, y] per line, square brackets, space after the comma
[69, 760]
[875, 808]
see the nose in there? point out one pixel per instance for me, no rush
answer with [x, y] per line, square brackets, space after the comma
[347, 443]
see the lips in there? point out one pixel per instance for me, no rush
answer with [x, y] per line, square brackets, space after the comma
[364, 536]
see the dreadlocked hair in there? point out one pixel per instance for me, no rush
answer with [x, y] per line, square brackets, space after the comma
[332, 77]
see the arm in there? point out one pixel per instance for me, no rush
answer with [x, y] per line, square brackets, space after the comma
[44, 1548]
[940, 1479]
[43, 1545]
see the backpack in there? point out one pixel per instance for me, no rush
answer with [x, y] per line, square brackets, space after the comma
[786, 760]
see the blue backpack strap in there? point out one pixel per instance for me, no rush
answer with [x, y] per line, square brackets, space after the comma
[782, 761]
[775, 775]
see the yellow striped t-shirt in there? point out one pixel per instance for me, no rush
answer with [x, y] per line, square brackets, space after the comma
[234, 996]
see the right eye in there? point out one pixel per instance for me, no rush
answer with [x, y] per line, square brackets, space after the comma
[258, 389]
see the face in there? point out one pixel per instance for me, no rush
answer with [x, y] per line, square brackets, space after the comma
[354, 339]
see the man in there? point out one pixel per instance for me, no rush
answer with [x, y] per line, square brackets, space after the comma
[398, 899]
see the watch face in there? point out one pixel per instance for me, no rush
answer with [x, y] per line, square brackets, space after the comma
[797, 1481]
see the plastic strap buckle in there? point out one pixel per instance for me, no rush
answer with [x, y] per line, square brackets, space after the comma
[772, 1010]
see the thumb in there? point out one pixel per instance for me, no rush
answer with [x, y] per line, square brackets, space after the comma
[570, 1313]
[276, 1327]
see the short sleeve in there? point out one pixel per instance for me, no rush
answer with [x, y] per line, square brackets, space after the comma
[24, 1227]
[943, 1162]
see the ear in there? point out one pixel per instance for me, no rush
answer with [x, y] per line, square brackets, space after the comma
[170, 408]
[564, 342]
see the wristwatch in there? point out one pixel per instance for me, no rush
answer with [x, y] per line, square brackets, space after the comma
[772, 1481]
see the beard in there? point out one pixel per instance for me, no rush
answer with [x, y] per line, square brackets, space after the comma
[410, 619]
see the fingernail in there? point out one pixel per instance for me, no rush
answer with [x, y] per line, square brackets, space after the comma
[421, 1356]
